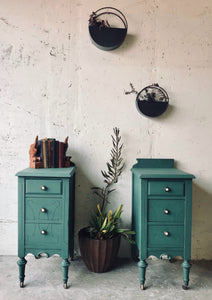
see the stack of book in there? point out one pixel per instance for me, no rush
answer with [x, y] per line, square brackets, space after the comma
[50, 153]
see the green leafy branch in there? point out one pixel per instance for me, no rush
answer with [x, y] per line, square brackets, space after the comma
[114, 169]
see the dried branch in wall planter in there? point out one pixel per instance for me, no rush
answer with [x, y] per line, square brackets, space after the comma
[93, 21]
[133, 91]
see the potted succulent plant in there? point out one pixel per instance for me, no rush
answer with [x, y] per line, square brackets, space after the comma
[99, 242]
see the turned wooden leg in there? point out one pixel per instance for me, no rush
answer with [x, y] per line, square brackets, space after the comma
[21, 265]
[186, 269]
[142, 268]
[134, 252]
[65, 265]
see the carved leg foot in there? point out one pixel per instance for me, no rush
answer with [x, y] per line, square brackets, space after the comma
[186, 269]
[65, 265]
[142, 268]
[21, 265]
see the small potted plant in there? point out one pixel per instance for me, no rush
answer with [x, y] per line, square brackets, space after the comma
[99, 242]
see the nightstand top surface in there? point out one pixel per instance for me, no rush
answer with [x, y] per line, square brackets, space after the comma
[158, 168]
[47, 172]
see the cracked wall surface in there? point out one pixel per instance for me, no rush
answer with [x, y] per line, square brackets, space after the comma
[54, 82]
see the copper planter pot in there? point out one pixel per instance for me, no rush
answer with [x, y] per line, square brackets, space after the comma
[98, 255]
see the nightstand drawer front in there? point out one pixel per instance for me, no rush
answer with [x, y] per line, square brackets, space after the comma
[166, 188]
[166, 211]
[43, 209]
[43, 235]
[165, 235]
[43, 186]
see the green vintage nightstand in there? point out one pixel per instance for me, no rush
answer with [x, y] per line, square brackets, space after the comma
[161, 213]
[46, 215]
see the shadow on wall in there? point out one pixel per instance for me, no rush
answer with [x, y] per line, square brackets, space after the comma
[129, 42]
[85, 203]
[201, 224]
[168, 113]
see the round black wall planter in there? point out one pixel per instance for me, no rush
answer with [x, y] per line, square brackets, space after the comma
[152, 101]
[107, 38]
[103, 36]
[151, 109]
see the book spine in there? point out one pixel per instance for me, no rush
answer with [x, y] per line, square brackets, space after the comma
[53, 153]
[44, 152]
[56, 154]
[47, 154]
[50, 153]
[40, 150]
[61, 154]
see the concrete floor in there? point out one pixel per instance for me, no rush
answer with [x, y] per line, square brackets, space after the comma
[44, 281]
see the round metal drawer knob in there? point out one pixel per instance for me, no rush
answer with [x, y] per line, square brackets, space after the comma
[43, 210]
[167, 189]
[166, 233]
[43, 232]
[166, 211]
[43, 188]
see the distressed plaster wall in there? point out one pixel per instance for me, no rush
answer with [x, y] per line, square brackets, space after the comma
[54, 82]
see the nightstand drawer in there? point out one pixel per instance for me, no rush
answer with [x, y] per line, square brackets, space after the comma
[43, 235]
[165, 235]
[166, 188]
[43, 186]
[43, 209]
[166, 211]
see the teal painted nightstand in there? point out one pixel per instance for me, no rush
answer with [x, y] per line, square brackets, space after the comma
[46, 215]
[161, 213]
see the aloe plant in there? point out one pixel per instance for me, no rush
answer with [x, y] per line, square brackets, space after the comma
[106, 226]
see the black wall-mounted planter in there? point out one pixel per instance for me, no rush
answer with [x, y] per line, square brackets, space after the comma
[106, 37]
[151, 109]
[152, 101]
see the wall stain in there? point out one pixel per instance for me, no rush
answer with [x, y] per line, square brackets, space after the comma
[27, 111]
[7, 221]
[7, 23]
[58, 125]
[16, 56]
[7, 53]
[5, 138]
[53, 52]
[44, 43]
[78, 68]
